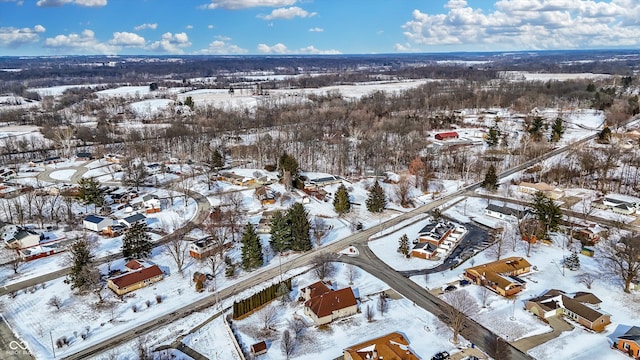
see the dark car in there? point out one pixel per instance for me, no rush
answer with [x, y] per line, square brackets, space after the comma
[464, 282]
[450, 288]
[442, 355]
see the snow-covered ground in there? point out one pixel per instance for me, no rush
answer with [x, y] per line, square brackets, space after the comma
[147, 108]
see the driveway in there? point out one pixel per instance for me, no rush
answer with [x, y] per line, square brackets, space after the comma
[556, 322]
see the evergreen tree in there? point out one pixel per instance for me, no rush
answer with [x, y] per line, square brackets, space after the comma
[288, 167]
[493, 138]
[341, 201]
[491, 179]
[572, 262]
[376, 202]
[217, 160]
[547, 212]
[403, 246]
[81, 258]
[280, 232]
[605, 135]
[300, 227]
[90, 191]
[189, 102]
[535, 129]
[136, 242]
[557, 130]
[251, 249]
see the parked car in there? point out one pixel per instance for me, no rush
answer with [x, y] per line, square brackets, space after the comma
[464, 282]
[450, 288]
[442, 355]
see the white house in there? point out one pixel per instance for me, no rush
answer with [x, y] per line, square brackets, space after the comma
[23, 238]
[130, 220]
[96, 223]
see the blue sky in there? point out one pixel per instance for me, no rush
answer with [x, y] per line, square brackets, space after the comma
[223, 27]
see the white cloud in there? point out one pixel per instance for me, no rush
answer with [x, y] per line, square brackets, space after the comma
[527, 24]
[280, 48]
[316, 29]
[14, 37]
[84, 42]
[18, 2]
[57, 3]
[189, 27]
[171, 43]
[151, 26]
[219, 47]
[209, 26]
[222, 38]
[245, 4]
[127, 39]
[288, 13]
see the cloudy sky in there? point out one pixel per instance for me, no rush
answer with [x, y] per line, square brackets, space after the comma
[221, 27]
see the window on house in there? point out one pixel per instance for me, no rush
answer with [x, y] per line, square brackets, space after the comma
[625, 346]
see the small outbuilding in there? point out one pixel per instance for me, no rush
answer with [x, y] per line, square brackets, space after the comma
[96, 223]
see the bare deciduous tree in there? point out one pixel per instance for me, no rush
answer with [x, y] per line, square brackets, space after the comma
[461, 304]
[383, 303]
[587, 279]
[297, 326]
[55, 301]
[323, 266]
[352, 273]
[268, 316]
[178, 250]
[622, 258]
[369, 313]
[287, 344]
[319, 230]
[403, 191]
[484, 295]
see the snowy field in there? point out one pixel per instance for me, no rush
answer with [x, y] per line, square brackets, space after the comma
[147, 108]
[59, 90]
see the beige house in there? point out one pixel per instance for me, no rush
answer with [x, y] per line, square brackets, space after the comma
[500, 276]
[582, 308]
[324, 305]
[531, 188]
[134, 279]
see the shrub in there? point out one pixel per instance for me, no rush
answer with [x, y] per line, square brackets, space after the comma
[148, 303]
[158, 299]
[134, 308]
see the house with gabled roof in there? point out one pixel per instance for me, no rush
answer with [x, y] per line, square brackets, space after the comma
[323, 304]
[500, 276]
[265, 195]
[549, 191]
[96, 223]
[133, 219]
[504, 212]
[140, 274]
[391, 346]
[424, 250]
[582, 308]
[629, 342]
[23, 238]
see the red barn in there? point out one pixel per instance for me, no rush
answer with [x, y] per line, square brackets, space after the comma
[447, 135]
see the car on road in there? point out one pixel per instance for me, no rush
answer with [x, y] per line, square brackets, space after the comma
[442, 355]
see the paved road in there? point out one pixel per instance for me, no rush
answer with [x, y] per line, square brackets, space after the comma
[11, 348]
[472, 331]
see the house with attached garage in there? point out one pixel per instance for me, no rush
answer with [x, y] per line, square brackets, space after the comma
[391, 346]
[138, 275]
[581, 307]
[500, 276]
[505, 212]
[131, 220]
[23, 238]
[629, 342]
[323, 304]
[549, 191]
[96, 223]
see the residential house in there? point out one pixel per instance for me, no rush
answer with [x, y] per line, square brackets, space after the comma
[393, 346]
[137, 277]
[500, 276]
[582, 308]
[319, 182]
[114, 158]
[151, 203]
[236, 179]
[328, 305]
[96, 223]
[629, 342]
[435, 232]
[450, 135]
[549, 191]
[316, 289]
[504, 212]
[264, 225]
[259, 348]
[23, 238]
[424, 250]
[203, 248]
[265, 196]
[133, 219]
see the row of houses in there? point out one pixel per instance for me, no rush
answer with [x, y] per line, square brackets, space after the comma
[436, 239]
